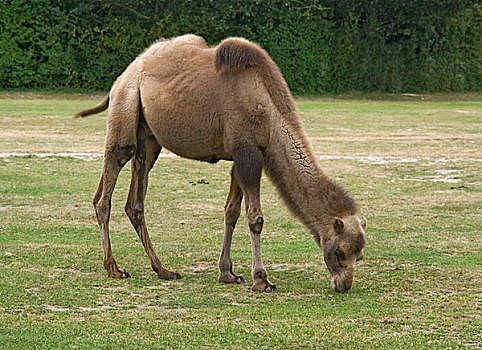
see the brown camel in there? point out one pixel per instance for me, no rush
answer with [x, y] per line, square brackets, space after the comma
[225, 102]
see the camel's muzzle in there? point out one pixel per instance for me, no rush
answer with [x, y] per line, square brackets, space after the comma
[340, 285]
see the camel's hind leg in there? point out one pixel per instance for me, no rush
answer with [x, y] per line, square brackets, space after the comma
[146, 155]
[114, 160]
[231, 215]
[120, 146]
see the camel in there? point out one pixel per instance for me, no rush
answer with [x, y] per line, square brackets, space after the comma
[227, 102]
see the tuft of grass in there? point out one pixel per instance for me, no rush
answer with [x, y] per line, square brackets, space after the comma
[413, 165]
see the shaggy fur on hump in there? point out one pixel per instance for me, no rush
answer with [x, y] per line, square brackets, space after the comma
[235, 54]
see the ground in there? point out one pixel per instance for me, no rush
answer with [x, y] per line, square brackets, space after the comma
[412, 162]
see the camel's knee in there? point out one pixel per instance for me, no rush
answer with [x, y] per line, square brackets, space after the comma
[256, 226]
[254, 216]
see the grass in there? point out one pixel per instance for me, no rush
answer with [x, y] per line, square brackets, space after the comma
[414, 166]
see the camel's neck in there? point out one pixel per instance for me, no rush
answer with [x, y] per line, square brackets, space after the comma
[307, 191]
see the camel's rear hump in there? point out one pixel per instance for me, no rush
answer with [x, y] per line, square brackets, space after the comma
[236, 54]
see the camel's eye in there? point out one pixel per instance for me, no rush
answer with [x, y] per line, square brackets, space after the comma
[339, 254]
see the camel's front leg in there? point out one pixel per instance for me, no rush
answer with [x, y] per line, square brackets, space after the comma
[248, 164]
[231, 215]
[260, 276]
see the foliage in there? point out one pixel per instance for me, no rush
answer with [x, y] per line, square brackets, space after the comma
[418, 46]
[320, 46]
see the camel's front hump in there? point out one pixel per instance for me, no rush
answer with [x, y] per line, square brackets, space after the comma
[181, 107]
[199, 113]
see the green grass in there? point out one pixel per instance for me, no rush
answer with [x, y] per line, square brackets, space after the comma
[414, 166]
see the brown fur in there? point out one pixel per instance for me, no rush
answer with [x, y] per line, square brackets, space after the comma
[226, 102]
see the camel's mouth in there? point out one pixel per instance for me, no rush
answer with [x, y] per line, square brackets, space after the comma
[339, 285]
[341, 277]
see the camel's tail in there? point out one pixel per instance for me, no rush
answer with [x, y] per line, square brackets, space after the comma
[236, 54]
[97, 109]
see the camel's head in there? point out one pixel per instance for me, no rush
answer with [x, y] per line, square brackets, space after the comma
[342, 248]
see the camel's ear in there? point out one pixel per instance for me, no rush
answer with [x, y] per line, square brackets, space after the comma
[363, 222]
[339, 225]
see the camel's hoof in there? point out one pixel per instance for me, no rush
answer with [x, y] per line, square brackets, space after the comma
[265, 287]
[230, 279]
[170, 276]
[119, 275]
[271, 288]
[257, 226]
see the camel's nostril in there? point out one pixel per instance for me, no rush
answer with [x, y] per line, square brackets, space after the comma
[340, 286]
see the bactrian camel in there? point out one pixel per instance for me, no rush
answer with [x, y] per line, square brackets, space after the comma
[228, 102]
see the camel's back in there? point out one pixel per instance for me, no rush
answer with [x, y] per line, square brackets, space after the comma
[167, 59]
[163, 47]
[185, 100]
[192, 106]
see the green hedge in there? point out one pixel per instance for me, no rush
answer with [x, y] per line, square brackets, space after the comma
[320, 46]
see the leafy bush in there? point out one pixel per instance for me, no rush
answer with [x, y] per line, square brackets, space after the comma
[320, 46]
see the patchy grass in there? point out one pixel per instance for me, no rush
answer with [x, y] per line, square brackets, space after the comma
[414, 165]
